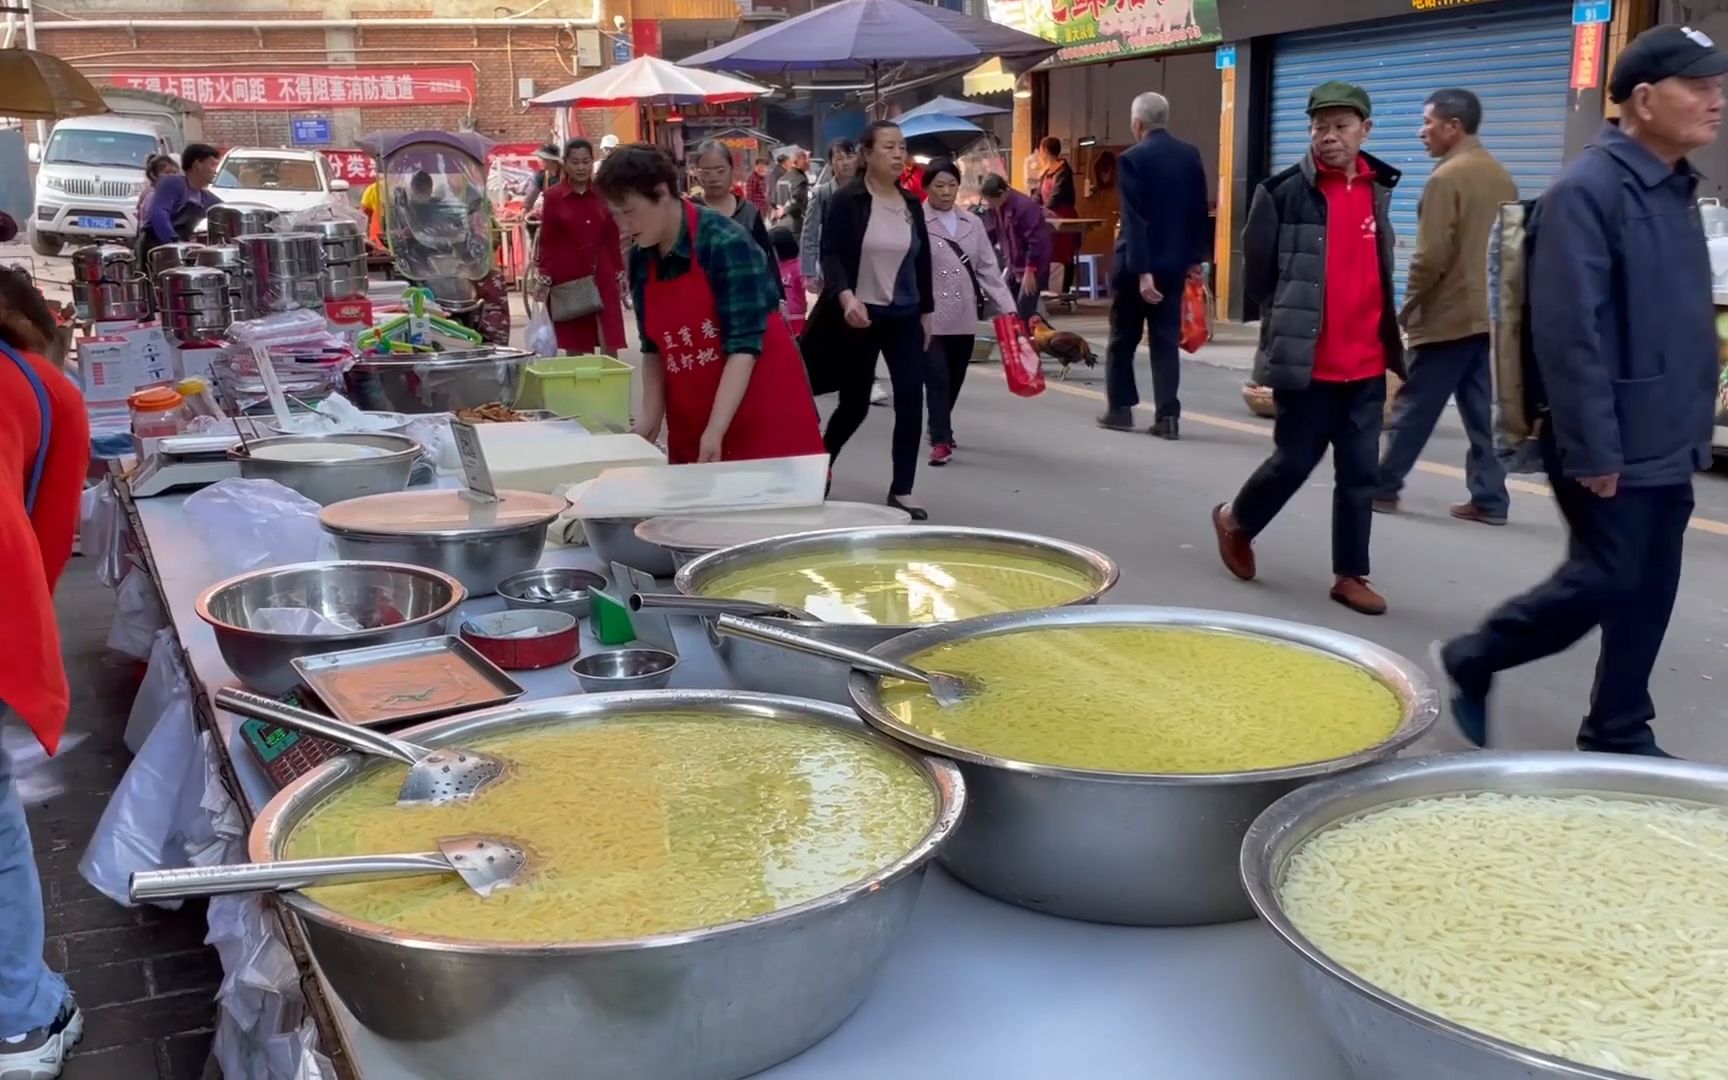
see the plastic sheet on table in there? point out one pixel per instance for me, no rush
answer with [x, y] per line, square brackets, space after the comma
[261, 523]
[138, 617]
[302, 621]
[102, 532]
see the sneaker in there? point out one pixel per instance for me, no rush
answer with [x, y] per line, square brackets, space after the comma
[1385, 506]
[878, 393]
[1469, 511]
[941, 453]
[1235, 550]
[1469, 707]
[41, 1054]
[1356, 594]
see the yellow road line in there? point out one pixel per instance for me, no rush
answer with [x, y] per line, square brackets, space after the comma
[1264, 430]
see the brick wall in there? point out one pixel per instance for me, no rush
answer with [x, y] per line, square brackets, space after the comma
[499, 57]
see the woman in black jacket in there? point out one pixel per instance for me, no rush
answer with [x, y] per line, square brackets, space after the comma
[876, 293]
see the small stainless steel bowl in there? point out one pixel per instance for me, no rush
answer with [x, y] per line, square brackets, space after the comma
[1376, 1032]
[614, 540]
[639, 667]
[514, 589]
[390, 601]
[332, 479]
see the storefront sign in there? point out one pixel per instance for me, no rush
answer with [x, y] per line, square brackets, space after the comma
[309, 130]
[735, 114]
[1112, 29]
[1592, 11]
[1587, 41]
[1225, 57]
[620, 50]
[1440, 5]
[354, 166]
[354, 88]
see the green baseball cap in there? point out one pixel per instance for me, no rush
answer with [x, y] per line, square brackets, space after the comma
[1339, 95]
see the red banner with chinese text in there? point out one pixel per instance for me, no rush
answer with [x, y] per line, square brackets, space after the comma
[354, 166]
[1587, 41]
[352, 88]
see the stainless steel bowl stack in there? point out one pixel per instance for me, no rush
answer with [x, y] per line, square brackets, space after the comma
[283, 272]
[344, 259]
[715, 1003]
[226, 258]
[1378, 1034]
[439, 382]
[333, 477]
[226, 223]
[390, 602]
[106, 284]
[193, 303]
[763, 667]
[478, 543]
[1139, 849]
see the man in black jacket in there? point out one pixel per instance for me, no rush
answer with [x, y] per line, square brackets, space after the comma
[1623, 334]
[1317, 253]
[1163, 238]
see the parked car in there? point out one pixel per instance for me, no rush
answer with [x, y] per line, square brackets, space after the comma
[287, 181]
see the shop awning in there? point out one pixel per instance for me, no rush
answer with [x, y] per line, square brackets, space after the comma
[989, 77]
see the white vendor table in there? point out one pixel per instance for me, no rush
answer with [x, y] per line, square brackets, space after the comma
[975, 989]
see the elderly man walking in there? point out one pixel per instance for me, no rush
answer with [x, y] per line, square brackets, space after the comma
[1623, 333]
[1317, 254]
[1445, 313]
[1162, 240]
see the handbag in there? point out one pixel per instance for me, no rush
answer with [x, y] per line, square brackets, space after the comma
[575, 299]
[1196, 318]
[1020, 361]
[971, 272]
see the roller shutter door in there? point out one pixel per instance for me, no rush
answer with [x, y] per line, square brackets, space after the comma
[1517, 59]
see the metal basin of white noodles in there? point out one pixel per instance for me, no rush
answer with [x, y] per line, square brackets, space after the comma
[1140, 849]
[328, 468]
[716, 1003]
[774, 670]
[1380, 1035]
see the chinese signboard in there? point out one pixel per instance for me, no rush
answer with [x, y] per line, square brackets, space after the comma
[310, 130]
[1112, 29]
[1587, 55]
[357, 88]
[354, 166]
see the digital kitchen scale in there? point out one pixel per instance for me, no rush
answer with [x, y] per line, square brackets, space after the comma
[184, 461]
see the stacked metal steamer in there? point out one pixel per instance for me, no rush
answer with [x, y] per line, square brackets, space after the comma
[106, 284]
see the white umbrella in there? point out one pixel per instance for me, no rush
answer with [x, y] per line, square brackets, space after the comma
[649, 80]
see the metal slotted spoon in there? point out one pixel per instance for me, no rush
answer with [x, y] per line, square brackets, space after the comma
[434, 777]
[484, 863]
[948, 690]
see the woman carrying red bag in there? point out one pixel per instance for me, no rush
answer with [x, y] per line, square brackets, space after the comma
[720, 369]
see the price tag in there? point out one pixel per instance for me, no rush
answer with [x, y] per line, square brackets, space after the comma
[475, 475]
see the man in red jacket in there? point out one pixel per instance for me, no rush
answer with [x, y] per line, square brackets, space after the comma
[44, 451]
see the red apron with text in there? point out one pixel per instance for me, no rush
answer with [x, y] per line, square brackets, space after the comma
[777, 417]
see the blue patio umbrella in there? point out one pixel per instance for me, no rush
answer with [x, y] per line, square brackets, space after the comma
[950, 106]
[951, 133]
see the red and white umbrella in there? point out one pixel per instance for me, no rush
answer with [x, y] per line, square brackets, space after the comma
[649, 80]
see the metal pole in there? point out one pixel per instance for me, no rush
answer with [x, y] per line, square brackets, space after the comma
[30, 43]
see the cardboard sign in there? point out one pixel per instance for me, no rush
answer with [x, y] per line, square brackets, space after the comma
[112, 366]
[476, 477]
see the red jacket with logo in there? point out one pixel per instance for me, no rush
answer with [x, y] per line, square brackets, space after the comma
[1350, 347]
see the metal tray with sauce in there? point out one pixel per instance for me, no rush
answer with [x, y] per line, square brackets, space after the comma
[408, 681]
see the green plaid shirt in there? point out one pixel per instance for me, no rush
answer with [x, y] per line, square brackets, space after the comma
[746, 290]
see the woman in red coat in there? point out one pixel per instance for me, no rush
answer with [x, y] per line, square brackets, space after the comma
[579, 239]
[719, 366]
[44, 450]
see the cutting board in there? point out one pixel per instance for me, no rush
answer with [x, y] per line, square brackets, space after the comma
[767, 484]
[548, 457]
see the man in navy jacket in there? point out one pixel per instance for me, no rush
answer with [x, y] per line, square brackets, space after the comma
[1624, 339]
[1163, 237]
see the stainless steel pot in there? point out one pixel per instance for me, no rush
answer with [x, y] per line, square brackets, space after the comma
[1381, 1035]
[1140, 849]
[169, 256]
[284, 271]
[99, 263]
[755, 666]
[345, 280]
[344, 241]
[479, 550]
[119, 301]
[440, 382]
[226, 258]
[332, 478]
[226, 223]
[193, 303]
[389, 601]
[710, 1004]
[615, 540]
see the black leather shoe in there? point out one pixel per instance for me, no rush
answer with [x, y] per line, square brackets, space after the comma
[1117, 420]
[1167, 428]
[917, 513]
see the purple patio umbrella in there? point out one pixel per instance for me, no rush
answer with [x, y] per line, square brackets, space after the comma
[869, 34]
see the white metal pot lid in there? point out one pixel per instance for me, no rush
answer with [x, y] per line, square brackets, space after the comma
[440, 513]
[711, 532]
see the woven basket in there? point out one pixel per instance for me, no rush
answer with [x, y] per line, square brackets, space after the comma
[1259, 400]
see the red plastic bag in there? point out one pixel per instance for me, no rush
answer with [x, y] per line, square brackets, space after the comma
[1196, 314]
[1019, 359]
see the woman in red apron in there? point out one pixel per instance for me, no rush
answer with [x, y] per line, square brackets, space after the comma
[719, 368]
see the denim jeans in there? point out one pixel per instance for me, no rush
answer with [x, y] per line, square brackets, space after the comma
[30, 994]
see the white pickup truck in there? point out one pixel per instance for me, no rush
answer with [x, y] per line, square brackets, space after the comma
[90, 173]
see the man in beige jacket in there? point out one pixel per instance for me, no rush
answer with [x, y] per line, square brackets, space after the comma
[1445, 312]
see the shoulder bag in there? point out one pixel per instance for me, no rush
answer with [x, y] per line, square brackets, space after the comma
[575, 299]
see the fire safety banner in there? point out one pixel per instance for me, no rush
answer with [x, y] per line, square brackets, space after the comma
[352, 88]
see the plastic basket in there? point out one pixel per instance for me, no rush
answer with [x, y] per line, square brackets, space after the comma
[593, 389]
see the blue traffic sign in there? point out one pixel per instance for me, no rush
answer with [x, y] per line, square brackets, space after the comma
[310, 130]
[1225, 57]
[620, 50]
[1592, 11]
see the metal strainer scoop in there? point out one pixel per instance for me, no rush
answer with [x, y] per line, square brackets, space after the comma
[434, 777]
[948, 690]
[485, 863]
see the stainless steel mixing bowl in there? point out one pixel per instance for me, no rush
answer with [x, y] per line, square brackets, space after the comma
[615, 540]
[392, 603]
[639, 667]
[710, 1004]
[753, 666]
[1143, 849]
[331, 478]
[1378, 1034]
[438, 382]
[476, 546]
